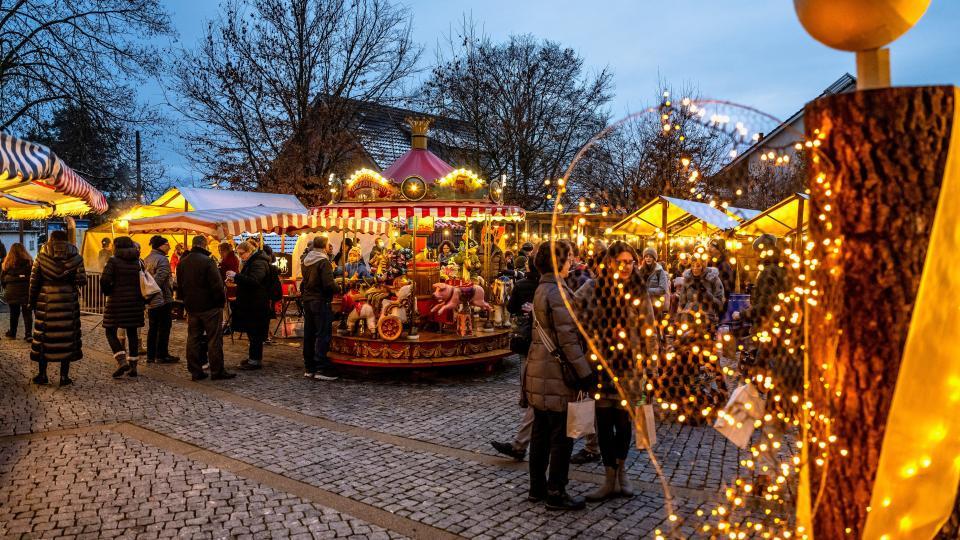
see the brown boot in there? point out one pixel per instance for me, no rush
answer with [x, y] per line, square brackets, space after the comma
[122, 366]
[623, 481]
[609, 487]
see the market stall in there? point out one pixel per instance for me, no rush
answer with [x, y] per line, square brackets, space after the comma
[785, 219]
[443, 318]
[178, 200]
[667, 218]
[36, 184]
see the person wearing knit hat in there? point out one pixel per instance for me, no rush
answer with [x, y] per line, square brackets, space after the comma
[658, 283]
[160, 307]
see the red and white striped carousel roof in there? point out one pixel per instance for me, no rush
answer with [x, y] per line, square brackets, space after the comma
[438, 210]
[229, 222]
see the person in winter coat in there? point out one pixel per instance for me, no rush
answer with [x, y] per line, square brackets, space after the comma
[201, 289]
[229, 262]
[253, 309]
[543, 382]
[317, 290]
[615, 305]
[720, 259]
[656, 278]
[16, 282]
[771, 282]
[120, 283]
[520, 305]
[702, 290]
[159, 309]
[55, 280]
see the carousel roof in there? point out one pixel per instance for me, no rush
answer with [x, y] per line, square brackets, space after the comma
[418, 162]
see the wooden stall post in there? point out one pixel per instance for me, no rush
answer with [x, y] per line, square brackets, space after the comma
[798, 232]
[882, 154]
[665, 208]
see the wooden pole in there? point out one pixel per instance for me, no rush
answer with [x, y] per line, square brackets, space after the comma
[665, 208]
[883, 155]
[798, 231]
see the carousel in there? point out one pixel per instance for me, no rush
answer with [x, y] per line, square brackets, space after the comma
[417, 300]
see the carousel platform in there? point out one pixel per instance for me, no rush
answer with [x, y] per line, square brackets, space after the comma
[429, 350]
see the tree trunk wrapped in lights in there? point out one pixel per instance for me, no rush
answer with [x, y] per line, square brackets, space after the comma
[875, 181]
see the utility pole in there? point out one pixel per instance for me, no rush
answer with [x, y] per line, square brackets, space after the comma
[139, 178]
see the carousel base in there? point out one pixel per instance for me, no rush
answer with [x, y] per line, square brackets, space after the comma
[429, 350]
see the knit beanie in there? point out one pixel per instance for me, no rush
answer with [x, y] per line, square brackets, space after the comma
[651, 252]
[156, 241]
[764, 242]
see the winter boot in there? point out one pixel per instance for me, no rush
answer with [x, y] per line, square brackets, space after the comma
[623, 481]
[122, 366]
[609, 487]
[133, 367]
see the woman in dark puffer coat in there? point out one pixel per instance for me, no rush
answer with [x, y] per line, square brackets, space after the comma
[120, 283]
[54, 295]
[16, 285]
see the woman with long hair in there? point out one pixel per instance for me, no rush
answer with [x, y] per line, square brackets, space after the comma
[120, 282]
[617, 313]
[16, 282]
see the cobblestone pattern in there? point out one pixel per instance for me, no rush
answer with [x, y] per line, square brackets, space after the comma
[103, 485]
[460, 409]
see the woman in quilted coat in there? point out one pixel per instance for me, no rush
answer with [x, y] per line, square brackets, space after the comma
[120, 283]
[54, 296]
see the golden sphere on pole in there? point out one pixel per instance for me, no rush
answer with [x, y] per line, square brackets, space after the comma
[858, 25]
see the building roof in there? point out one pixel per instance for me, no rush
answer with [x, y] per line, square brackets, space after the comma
[385, 136]
[846, 83]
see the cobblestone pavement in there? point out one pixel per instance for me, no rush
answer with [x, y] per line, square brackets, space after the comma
[271, 454]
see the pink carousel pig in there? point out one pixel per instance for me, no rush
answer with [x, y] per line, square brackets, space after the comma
[450, 296]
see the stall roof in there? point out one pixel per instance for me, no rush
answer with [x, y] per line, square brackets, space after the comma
[780, 219]
[744, 213]
[192, 199]
[229, 222]
[37, 184]
[682, 215]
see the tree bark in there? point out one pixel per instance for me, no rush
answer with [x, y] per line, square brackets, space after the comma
[882, 154]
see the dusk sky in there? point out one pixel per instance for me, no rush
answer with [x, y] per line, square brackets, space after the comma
[745, 51]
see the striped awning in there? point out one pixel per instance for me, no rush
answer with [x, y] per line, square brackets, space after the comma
[439, 210]
[229, 222]
[41, 184]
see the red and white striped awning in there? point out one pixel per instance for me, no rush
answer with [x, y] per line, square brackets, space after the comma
[41, 183]
[439, 210]
[230, 222]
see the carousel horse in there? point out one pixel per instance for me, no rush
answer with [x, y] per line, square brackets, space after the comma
[396, 306]
[363, 307]
[499, 296]
[449, 297]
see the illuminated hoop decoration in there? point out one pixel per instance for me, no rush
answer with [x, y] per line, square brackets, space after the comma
[496, 192]
[367, 184]
[413, 188]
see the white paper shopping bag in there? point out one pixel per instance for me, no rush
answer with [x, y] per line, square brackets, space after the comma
[581, 417]
[736, 420]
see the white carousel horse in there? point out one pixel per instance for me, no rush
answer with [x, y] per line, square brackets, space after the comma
[397, 307]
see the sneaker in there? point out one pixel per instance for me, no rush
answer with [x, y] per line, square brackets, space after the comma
[563, 501]
[222, 376]
[168, 360]
[247, 365]
[507, 449]
[198, 376]
[322, 377]
[309, 374]
[584, 456]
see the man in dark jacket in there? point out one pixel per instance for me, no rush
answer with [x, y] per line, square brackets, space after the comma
[54, 296]
[201, 289]
[253, 308]
[159, 308]
[318, 288]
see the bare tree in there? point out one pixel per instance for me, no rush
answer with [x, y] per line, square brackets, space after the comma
[281, 78]
[84, 54]
[529, 102]
[668, 149]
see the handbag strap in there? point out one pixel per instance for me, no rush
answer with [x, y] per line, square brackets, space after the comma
[543, 334]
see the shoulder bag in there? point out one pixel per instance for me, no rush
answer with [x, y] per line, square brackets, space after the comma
[570, 377]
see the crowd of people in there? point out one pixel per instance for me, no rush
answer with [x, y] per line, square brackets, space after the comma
[613, 294]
